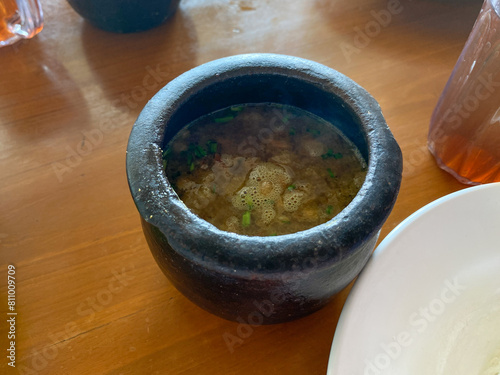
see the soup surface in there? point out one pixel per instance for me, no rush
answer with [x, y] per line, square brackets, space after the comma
[263, 169]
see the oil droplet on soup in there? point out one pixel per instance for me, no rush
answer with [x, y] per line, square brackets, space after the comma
[263, 169]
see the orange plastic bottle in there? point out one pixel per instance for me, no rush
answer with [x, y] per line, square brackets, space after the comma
[19, 19]
[464, 133]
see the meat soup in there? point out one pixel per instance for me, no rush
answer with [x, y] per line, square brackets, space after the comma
[263, 169]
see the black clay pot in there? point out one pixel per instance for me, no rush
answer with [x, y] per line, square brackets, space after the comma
[125, 16]
[273, 279]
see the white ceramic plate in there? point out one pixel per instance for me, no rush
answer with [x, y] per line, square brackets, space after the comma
[428, 301]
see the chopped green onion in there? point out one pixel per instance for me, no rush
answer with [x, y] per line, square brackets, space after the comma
[190, 159]
[249, 202]
[286, 221]
[285, 119]
[328, 154]
[212, 147]
[246, 219]
[291, 187]
[314, 132]
[164, 164]
[223, 119]
[214, 188]
[191, 167]
[329, 210]
[331, 154]
[330, 173]
[273, 234]
[237, 108]
[200, 152]
[292, 131]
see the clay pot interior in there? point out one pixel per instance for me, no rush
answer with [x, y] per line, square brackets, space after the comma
[265, 88]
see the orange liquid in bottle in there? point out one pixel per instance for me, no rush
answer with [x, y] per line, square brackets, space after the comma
[473, 166]
[19, 22]
[8, 9]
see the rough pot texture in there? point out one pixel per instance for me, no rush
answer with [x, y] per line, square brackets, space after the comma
[261, 279]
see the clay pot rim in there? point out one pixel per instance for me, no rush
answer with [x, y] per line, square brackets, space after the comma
[160, 206]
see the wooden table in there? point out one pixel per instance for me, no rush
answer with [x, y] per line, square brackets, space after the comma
[89, 296]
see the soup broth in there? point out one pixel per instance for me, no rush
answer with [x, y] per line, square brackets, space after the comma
[263, 169]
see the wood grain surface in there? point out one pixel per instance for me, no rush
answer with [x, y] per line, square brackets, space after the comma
[90, 298]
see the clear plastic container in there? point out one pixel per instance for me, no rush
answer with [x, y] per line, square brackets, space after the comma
[464, 133]
[19, 19]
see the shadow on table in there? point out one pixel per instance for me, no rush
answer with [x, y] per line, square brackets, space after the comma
[132, 67]
[39, 97]
[395, 24]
